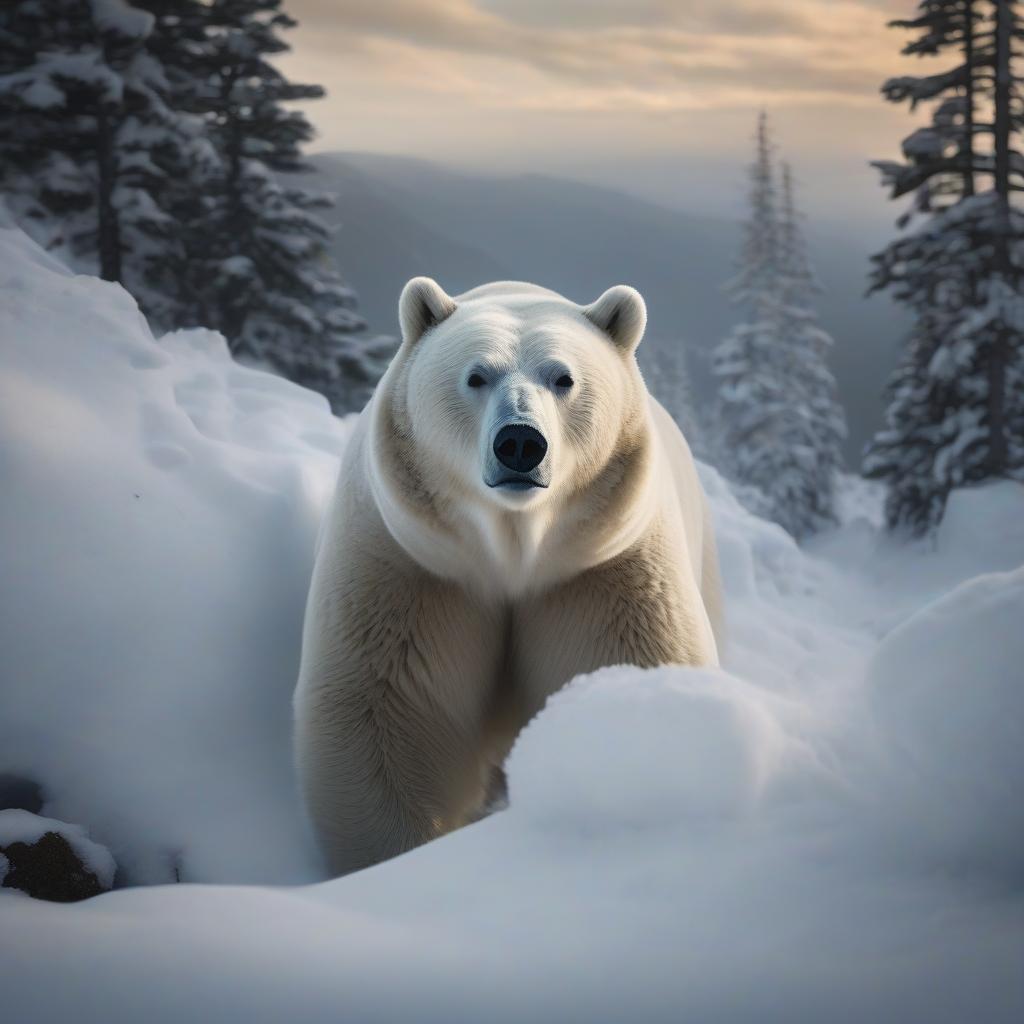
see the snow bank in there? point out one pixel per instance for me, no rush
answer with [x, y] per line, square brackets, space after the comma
[947, 691]
[984, 527]
[160, 506]
[824, 830]
[697, 746]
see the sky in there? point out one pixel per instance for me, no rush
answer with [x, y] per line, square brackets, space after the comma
[657, 97]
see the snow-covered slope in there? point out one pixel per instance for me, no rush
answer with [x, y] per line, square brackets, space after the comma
[158, 513]
[828, 830]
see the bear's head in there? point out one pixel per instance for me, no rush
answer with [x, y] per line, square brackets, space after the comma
[509, 410]
[518, 397]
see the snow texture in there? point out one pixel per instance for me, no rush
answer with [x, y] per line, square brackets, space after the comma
[146, 476]
[825, 829]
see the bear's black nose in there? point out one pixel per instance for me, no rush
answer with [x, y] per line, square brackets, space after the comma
[520, 448]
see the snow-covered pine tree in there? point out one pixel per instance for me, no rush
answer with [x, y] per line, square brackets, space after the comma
[177, 43]
[259, 270]
[144, 140]
[28, 167]
[749, 401]
[756, 282]
[778, 425]
[57, 94]
[816, 421]
[956, 402]
[83, 105]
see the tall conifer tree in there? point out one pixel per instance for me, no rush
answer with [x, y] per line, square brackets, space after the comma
[149, 141]
[86, 114]
[778, 423]
[816, 423]
[259, 270]
[750, 399]
[955, 411]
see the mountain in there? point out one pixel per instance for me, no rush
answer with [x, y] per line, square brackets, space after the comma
[379, 244]
[399, 217]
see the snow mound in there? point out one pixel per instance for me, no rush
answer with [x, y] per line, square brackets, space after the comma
[984, 524]
[159, 514]
[947, 691]
[675, 746]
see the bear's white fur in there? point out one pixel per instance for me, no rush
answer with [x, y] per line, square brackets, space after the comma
[449, 602]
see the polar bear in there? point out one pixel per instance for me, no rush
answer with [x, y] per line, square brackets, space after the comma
[513, 509]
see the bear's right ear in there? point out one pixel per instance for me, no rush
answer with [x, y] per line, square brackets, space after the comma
[424, 304]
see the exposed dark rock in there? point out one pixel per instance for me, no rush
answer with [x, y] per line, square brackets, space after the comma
[49, 869]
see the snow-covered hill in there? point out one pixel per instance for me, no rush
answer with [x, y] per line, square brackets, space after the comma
[829, 830]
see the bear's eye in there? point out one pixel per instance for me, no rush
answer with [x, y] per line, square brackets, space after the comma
[476, 381]
[565, 381]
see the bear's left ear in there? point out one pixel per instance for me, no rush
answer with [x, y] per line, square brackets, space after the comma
[621, 314]
[424, 304]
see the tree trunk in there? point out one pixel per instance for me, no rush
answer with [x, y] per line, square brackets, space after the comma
[233, 312]
[109, 233]
[1003, 131]
[969, 97]
[233, 323]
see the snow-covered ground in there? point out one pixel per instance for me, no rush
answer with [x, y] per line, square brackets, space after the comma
[830, 830]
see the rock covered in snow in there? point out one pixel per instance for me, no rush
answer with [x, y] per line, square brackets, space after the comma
[51, 860]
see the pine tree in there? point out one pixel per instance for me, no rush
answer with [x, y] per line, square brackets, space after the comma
[83, 104]
[816, 422]
[178, 43]
[147, 141]
[955, 412]
[750, 399]
[27, 164]
[258, 268]
[778, 423]
[756, 284]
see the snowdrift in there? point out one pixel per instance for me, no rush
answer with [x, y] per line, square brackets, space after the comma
[828, 829]
[159, 509]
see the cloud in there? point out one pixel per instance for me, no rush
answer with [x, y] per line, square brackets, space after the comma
[649, 54]
[656, 97]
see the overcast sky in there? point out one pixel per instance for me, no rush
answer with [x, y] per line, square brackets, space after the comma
[655, 96]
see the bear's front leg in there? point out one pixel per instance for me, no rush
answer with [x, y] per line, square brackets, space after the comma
[398, 677]
[637, 609]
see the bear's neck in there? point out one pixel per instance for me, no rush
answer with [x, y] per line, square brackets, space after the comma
[521, 552]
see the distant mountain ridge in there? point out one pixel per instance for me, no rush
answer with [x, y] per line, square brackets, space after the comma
[398, 217]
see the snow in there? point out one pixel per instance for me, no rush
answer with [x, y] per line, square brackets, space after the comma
[144, 476]
[942, 685]
[17, 826]
[825, 829]
[122, 18]
[41, 84]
